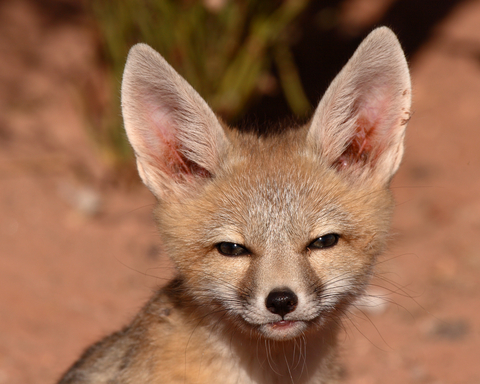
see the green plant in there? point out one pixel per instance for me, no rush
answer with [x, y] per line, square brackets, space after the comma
[224, 48]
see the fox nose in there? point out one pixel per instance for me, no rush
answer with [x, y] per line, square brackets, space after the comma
[281, 301]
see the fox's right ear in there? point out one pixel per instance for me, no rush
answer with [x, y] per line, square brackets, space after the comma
[359, 125]
[177, 139]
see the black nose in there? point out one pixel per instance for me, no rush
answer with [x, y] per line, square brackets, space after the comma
[281, 301]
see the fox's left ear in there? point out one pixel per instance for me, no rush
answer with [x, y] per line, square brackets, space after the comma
[360, 122]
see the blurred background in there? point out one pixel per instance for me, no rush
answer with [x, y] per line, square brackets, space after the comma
[78, 248]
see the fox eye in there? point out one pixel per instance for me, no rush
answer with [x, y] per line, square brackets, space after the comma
[325, 241]
[232, 249]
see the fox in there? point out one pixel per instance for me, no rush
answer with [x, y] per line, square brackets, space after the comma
[273, 235]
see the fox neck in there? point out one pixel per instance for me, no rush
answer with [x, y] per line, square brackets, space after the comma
[300, 360]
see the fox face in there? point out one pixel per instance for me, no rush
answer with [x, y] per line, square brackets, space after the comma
[277, 247]
[272, 236]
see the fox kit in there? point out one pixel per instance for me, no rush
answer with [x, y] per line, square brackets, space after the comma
[273, 237]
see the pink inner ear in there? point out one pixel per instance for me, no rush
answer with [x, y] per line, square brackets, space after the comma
[370, 134]
[165, 149]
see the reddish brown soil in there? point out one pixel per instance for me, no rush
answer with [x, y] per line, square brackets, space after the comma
[69, 275]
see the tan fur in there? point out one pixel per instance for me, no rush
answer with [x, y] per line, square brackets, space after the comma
[273, 195]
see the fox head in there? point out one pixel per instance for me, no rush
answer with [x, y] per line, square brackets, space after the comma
[277, 233]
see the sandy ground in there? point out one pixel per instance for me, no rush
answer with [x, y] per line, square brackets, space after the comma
[77, 256]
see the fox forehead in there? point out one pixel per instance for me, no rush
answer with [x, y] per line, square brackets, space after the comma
[275, 193]
[261, 198]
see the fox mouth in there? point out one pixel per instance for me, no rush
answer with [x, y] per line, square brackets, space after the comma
[283, 324]
[283, 329]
